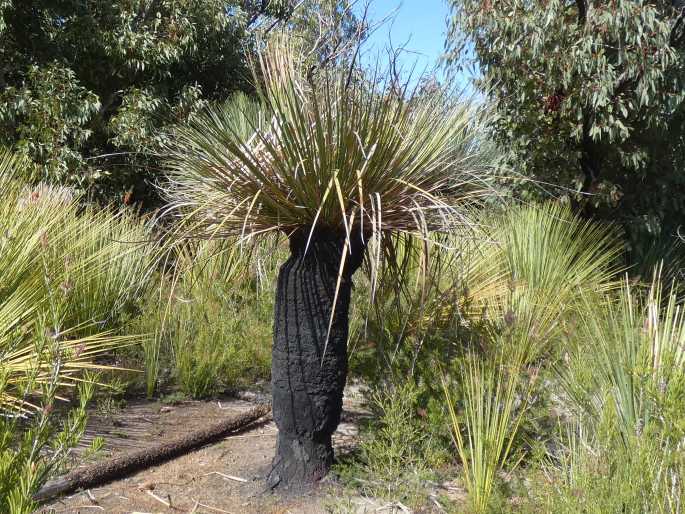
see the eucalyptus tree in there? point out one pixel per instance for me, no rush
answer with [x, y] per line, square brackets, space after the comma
[589, 94]
[88, 90]
[345, 169]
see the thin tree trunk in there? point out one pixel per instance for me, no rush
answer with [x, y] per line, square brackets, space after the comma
[309, 369]
[590, 164]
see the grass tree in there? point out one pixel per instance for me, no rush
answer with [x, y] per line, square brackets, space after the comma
[345, 168]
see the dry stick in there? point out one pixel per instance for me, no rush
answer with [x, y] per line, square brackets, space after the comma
[160, 500]
[215, 509]
[118, 467]
[227, 477]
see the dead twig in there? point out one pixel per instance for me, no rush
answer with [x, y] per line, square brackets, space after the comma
[160, 500]
[227, 477]
[71, 509]
[215, 509]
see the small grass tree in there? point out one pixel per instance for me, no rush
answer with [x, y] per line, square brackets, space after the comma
[343, 167]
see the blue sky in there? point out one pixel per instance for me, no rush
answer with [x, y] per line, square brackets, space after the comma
[418, 25]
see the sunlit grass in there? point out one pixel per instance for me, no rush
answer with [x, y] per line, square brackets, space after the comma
[355, 157]
[68, 278]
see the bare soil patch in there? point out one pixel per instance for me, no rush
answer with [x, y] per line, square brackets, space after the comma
[224, 477]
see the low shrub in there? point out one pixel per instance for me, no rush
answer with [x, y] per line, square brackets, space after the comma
[604, 473]
[399, 451]
[35, 447]
[212, 318]
[623, 385]
[489, 311]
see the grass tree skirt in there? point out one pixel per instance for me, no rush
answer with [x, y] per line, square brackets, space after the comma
[309, 365]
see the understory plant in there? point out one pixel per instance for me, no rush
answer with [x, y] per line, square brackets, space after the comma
[516, 285]
[623, 384]
[74, 273]
[33, 448]
[495, 396]
[518, 265]
[94, 262]
[535, 265]
[488, 304]
[212, 317]
[599, 473]
[638, 358]
[69, 276]
[398, 451]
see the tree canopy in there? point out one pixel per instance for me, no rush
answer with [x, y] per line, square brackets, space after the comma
[87, 89]
[589, 95]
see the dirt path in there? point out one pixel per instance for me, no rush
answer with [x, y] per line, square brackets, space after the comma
[224, 477]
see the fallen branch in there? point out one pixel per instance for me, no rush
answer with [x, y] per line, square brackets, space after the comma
[120, 466]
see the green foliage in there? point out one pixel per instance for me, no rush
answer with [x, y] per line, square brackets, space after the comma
[49, 115]
[410, 321]
[33, 449]
[628, 358]
[93, 264]
[495, 398]
[397, 451]
[221, 340]
[589, 96]
[212, 318]
[623, 385]
[89, 90]
[522, 291]
[400, 439]
[492, 306]
[536, 263]
[69, 276]
[524, 267]
[604, 476]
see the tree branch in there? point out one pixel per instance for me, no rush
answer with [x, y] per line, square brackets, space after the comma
[341, 47]
[261, 10]
[677, 36]
[590, 164]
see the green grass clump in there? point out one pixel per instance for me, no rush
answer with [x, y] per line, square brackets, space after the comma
[73, 274]
[490, 308]
[601, 474]
[94, 263]
[623, 385]
[495, 398]
[212, 318]
[221, 342]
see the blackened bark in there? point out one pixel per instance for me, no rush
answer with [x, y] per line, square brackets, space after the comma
[308, 370]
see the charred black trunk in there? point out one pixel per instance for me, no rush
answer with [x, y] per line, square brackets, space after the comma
[308, 368]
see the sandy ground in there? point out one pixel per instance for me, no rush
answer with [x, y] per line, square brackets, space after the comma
[226, 477]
